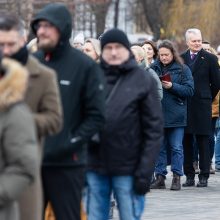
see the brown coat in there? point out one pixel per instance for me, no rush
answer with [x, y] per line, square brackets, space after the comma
[43, 98]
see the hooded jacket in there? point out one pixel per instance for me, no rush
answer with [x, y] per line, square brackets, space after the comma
[18, 148]
[82, 92]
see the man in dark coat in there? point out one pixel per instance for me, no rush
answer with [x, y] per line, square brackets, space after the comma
[123, 161]
[205, 71]
[82, 95]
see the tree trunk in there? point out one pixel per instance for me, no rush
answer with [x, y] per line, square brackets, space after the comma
[154, 13]
[100, 9]
[116, 13]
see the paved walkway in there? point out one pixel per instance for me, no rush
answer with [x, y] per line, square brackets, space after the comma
[187, 204]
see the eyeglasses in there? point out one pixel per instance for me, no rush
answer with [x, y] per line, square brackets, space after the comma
[45, 26]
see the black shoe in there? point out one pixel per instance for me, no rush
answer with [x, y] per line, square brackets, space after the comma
[203, 182]
[189, 182]
[159, 183]
[175, 182]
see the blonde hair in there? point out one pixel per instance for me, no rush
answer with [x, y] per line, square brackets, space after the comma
[139, 50]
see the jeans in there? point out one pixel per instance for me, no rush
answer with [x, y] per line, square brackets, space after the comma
[172, 138]
[217, 149]
[100, 187]
[212, 140]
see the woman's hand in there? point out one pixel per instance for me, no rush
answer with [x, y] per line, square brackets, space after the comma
[166, 84]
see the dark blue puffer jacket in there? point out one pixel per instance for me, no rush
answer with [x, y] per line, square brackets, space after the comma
[174, 102]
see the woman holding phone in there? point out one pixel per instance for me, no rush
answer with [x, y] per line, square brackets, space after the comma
[177, 83]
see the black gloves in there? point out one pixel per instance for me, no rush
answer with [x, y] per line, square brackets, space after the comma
[141, 187]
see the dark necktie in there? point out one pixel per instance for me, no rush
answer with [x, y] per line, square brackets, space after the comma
[193, 56]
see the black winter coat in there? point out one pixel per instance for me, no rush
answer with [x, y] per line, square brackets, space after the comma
[174, 102]
[206, 76]
[133, 132]
[82, 93]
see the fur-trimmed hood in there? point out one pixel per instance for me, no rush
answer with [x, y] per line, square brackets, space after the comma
[13, 84]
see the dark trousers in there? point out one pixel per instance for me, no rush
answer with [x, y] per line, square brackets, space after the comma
[202, 142]
[211, 143]
[63, 188]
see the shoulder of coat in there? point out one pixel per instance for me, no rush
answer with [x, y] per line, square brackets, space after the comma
[36, 68]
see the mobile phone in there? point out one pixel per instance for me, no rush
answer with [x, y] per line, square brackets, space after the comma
[165, 77]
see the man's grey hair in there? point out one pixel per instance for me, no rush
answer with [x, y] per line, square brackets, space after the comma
[194, 31]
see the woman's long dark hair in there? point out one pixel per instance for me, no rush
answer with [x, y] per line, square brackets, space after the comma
[170, 46]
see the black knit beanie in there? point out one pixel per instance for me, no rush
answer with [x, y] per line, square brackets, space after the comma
[115, 36]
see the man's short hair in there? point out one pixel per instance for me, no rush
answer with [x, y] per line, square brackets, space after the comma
[192, 31]
[10, 22]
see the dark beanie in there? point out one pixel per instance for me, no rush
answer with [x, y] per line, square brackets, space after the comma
[115, 36]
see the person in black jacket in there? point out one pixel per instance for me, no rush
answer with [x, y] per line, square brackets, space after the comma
[82, 94]
[174, 104]
[205, 71]
[123, 161]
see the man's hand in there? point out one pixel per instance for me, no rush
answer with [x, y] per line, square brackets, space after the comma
[141, 187]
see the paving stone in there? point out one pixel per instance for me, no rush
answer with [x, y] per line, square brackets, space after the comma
[191, 203]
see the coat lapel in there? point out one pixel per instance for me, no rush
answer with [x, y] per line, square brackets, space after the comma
[199, 60]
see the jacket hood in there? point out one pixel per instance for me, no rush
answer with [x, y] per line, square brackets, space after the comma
[13, 83]
[58, 15]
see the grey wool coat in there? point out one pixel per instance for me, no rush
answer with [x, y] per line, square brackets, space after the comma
[19, 162]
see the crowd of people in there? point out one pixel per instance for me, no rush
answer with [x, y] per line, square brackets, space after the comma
[100, 118]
